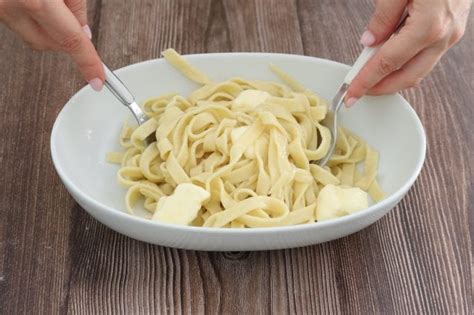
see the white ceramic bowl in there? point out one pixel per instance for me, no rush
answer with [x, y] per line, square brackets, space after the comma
[88, 127]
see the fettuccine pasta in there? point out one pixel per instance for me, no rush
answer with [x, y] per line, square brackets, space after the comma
[240, 154]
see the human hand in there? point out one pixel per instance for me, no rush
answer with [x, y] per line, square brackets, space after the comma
[59, 25]
[433, 26]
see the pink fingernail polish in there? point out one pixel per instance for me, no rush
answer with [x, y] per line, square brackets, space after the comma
[367, 39]
[351, 101]
[87, 30]
[96, 84]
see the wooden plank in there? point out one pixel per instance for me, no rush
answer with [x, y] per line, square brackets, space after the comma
[57, 259]
[132, 31]
[264, 25]
[35, 208]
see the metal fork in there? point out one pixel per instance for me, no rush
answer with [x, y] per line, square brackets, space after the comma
[330, 120]
[122, 93]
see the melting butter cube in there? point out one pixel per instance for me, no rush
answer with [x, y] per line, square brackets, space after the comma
[335, 201]
[250, 99]
[183, 206]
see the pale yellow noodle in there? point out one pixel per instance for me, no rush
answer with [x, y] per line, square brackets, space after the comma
[255, 161]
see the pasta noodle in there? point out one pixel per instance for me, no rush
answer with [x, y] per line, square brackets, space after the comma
[242, 151]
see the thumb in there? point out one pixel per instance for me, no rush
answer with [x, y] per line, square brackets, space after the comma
[384, 20]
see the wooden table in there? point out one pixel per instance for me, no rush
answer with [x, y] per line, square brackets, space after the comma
[54, 258]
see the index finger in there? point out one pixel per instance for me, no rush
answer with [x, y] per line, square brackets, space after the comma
[395, 53]
[60, 23]
[79, 9]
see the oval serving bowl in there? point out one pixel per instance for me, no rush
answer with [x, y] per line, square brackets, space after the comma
[89, 124]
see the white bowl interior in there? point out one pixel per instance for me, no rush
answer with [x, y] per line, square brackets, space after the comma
[89, 125]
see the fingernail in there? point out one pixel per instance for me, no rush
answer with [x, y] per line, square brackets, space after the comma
[96, 84]
[367, 39]
[87, 30]
[351, 101]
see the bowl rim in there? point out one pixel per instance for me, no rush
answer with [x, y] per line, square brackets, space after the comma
[393, 198]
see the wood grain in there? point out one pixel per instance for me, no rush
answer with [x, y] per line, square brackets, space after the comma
[57, 259]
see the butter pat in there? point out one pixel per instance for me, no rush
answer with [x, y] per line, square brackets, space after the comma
[335, 201]
[250, 99]
[182, 206]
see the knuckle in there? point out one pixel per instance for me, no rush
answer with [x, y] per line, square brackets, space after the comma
[438, 30]
[457, 34]
[387, 65]
[72, 43]
[31, 5]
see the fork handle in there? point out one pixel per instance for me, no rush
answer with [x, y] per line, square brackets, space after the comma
[368, 53]
[361, 61]
[116, 86]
